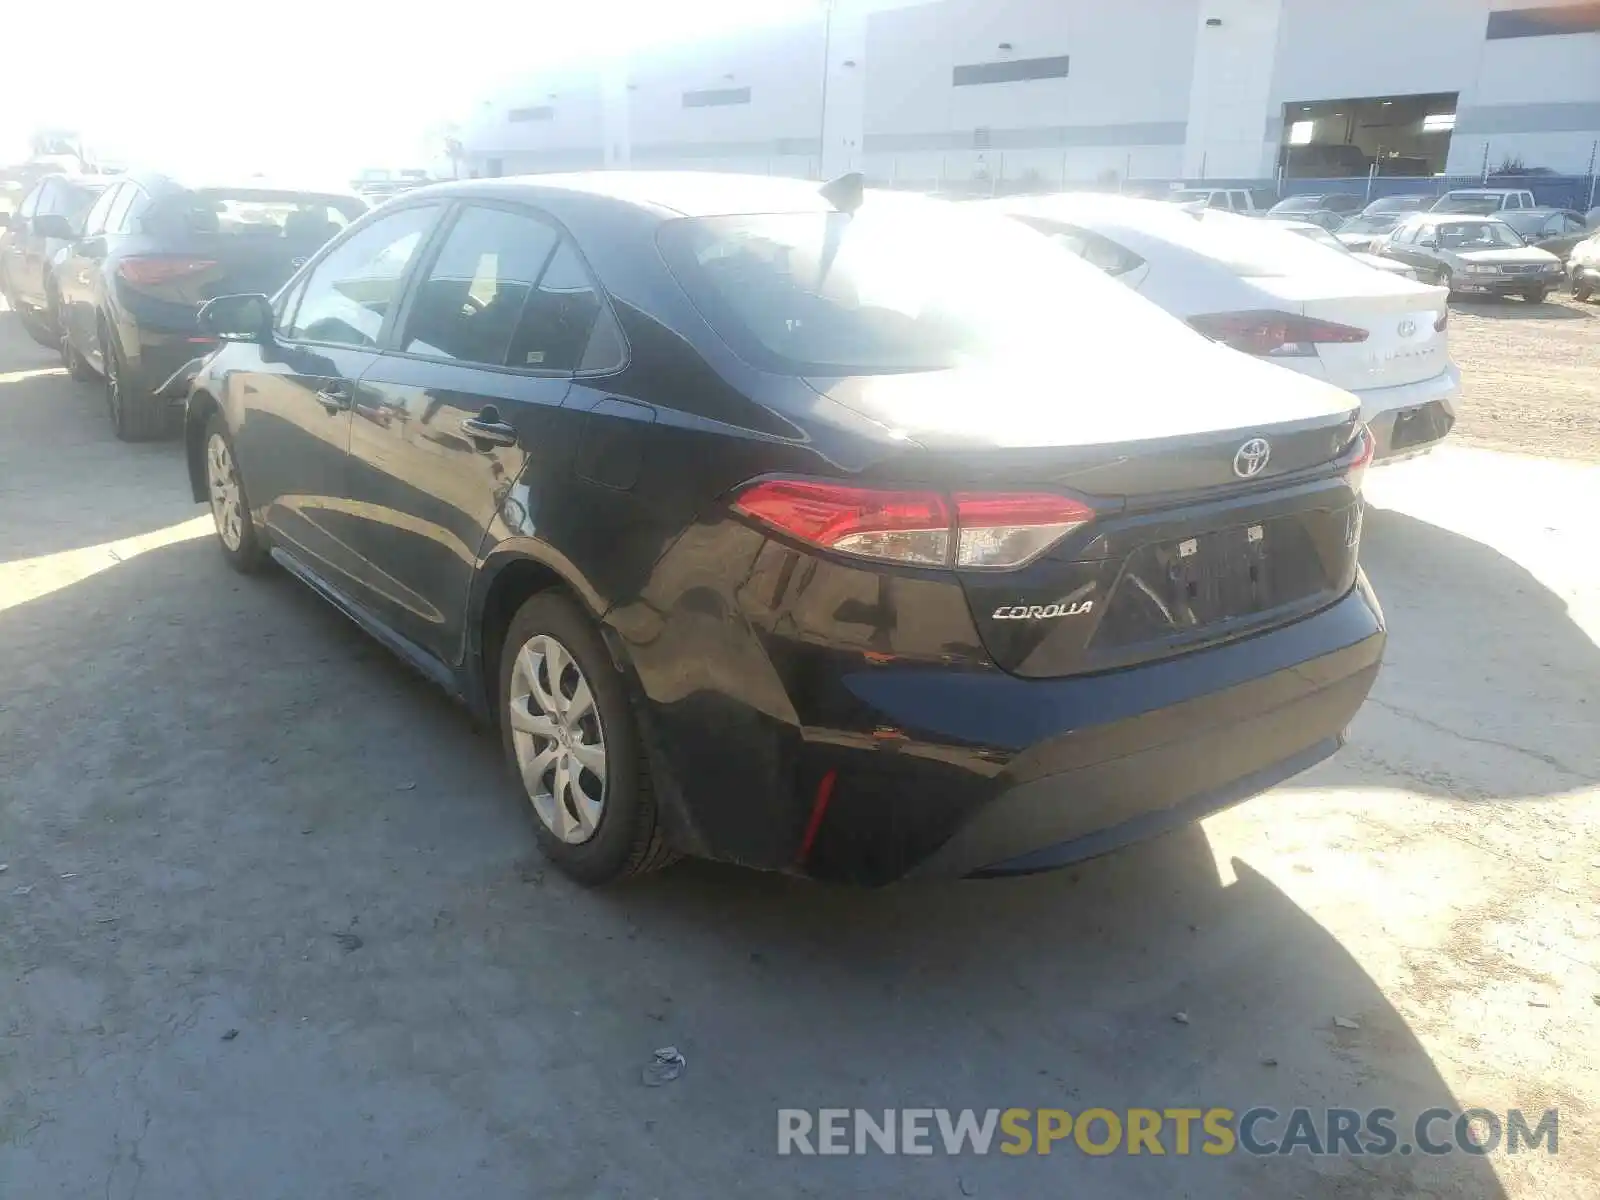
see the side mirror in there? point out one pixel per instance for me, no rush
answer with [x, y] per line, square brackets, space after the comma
[242, 318]
[54, 225]
[1432, 243]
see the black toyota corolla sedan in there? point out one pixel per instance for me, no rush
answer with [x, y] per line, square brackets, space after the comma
[850, 534]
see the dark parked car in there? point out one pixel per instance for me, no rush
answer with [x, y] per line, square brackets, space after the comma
[1364, 232]
[1344, 203]
[1557, 230]
[1324, 218]
[25, 252]
[772, 524]
[152, 250]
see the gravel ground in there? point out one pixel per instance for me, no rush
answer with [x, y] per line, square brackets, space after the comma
[271, 925]
[1530, 375]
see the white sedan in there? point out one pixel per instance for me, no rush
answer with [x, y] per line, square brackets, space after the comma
[1264, 289]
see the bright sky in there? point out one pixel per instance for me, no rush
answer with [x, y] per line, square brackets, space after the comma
[311, 89]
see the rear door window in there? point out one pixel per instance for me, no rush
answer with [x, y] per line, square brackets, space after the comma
[1093, 248]
[119, 207]
[95, 222]
[509, 289]
[30, 202]
[349, 294]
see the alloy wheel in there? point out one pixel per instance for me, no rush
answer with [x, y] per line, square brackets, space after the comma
[558, 738]
[227, 510]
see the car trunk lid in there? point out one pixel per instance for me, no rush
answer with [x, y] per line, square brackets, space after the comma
[1406, 339]
[1216, 514]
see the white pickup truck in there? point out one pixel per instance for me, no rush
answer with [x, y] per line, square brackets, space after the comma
[1239, 200]
[1484, 200]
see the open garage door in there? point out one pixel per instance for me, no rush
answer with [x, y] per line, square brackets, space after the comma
[1403, 135]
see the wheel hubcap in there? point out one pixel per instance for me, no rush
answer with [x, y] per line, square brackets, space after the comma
[226, 509]
[558, 739]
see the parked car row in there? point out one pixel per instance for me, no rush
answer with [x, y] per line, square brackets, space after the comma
[1363, 226]
[857, 535]
[113, 269]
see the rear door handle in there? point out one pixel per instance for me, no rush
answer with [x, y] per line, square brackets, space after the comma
[335, 397]
[487, 427]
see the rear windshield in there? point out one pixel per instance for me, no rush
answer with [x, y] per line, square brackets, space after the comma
[1525, 223]
[904, 284]
[304, 218]
[1375, 223]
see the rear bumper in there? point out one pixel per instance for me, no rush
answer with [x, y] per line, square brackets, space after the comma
[1443, 388]
[160, 362]
[1406, 433]
[1123, 756]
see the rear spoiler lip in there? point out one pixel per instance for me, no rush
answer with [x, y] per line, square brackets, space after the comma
[177, 384]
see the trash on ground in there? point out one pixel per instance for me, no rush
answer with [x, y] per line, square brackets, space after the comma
[1347, 1023]
[665, 1065]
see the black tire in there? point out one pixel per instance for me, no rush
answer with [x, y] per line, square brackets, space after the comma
[248, 556]
[136, 415]
[1536, 295]
[36, 327]
[1582, 291]
[628, 838]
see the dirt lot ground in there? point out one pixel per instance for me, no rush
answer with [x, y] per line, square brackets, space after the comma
[1530, 375]
[270, 924]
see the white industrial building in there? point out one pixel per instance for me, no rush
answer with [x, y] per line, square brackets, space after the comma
[1072, 90]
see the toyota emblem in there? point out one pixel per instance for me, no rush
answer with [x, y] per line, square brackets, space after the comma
[297, 263]
[1406, 328]
[1251, 458]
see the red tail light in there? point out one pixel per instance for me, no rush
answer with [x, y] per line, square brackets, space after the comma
[1444, 319]
[154, 272]
[1360, 457]
[991, 530]
[1276, 334]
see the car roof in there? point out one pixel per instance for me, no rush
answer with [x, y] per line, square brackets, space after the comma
[75, 178]
[156, 182]
[1485, 191]
[1436, 218]
[684, 193]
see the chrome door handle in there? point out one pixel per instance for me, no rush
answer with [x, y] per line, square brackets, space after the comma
[334, 397]
[495, 432]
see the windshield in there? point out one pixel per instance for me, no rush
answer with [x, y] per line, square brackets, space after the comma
[905, 284]
[1371, 224]
[1478, 235]
[1468, 204]
[1397, 204]
[1297, 204]
[305, 218]
[1189, 195]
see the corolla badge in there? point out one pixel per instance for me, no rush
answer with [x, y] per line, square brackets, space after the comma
[1041, 612]
[1251, 458]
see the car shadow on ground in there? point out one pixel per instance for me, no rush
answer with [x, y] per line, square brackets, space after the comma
[1487, 679]
[101, 490]
[233, 812]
